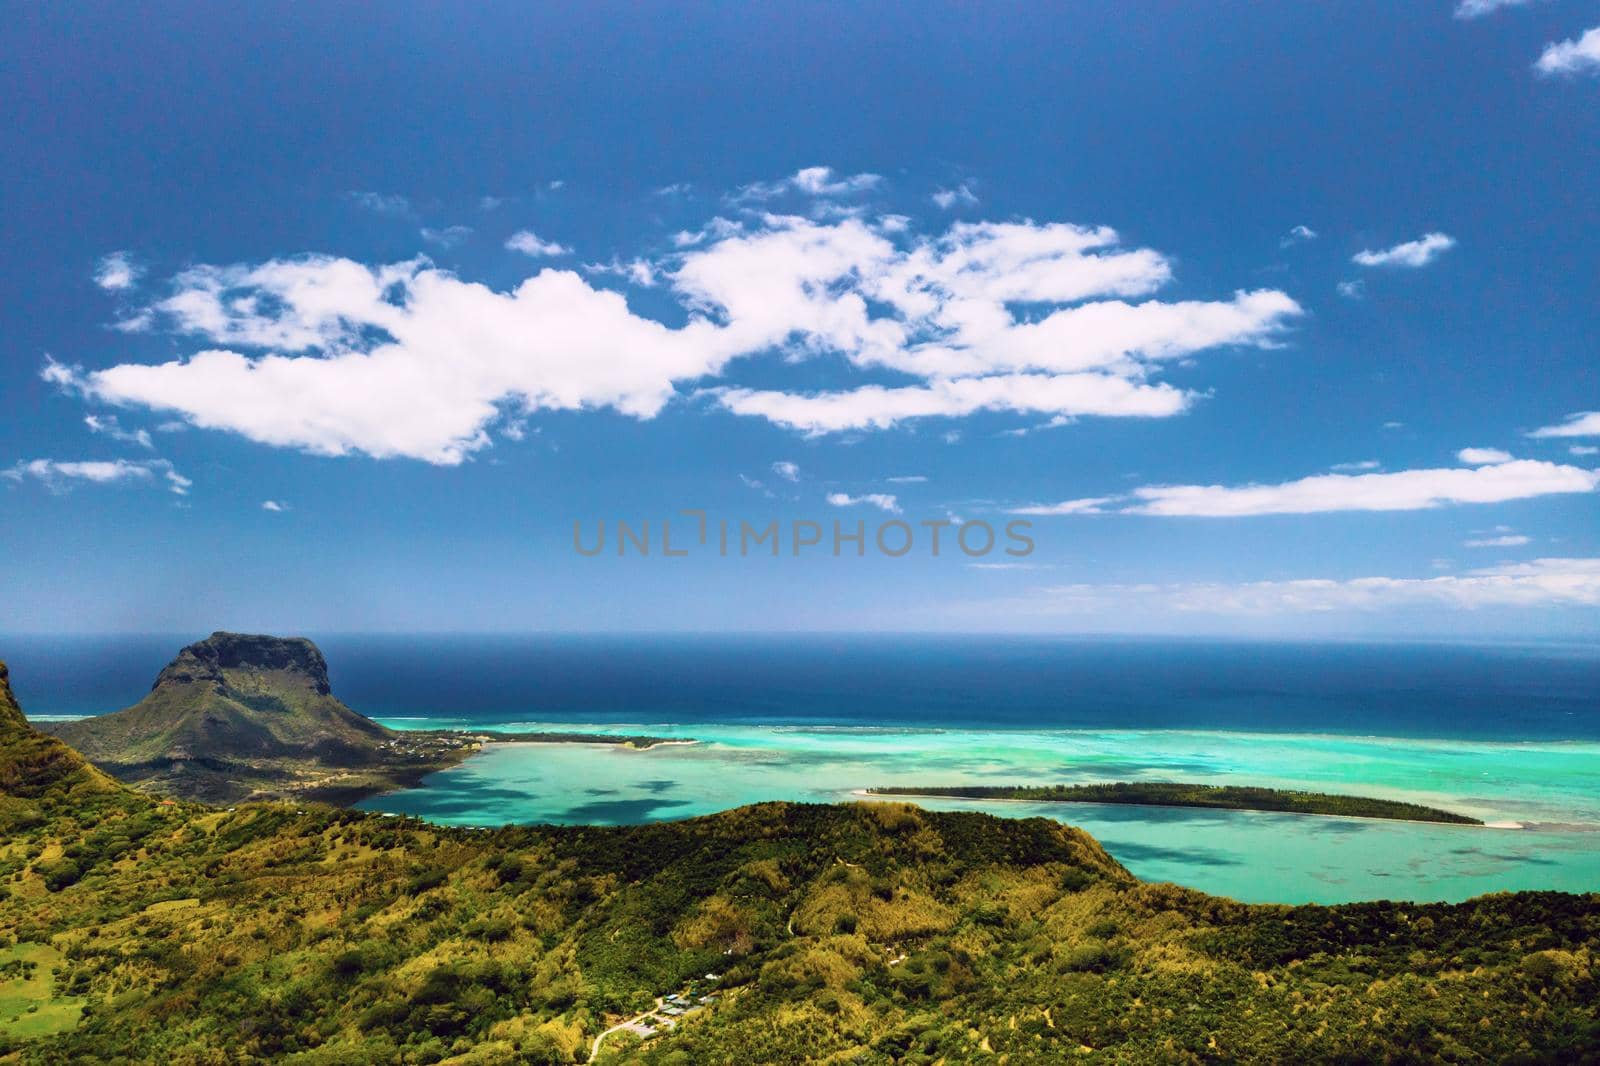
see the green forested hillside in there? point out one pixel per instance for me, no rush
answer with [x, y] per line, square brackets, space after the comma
[871, 933]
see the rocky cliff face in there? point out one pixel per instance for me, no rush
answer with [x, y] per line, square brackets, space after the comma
[216, 660]
[10, 714]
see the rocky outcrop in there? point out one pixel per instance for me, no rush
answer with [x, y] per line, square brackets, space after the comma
[10, 713]
[239, 716]
[210, 661]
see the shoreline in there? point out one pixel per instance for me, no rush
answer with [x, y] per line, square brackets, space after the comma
[585, 726]
[913, 797]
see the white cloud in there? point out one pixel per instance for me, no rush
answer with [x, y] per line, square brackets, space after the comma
[1352, 290]
[528, 243]
[718, 228]
[448, 237]
[1583, 449]
[1504, 540]
[1483, 456]
[907, 479]
[961, 195]
[1363, 464]
[116, 272]
[1411, 254]
[59, 476]
[1580, 424]
[877, 407]
[1535, 584]
[1472, 9]
[492, 203]
[108, 426]
[274, 506]
[382, 203]
[1578, 56]
[786, 470]
[1298, 235]
[1087, 505]
[1010, 566]
[332, 356]
[809, 181]
[640, 272]
[882, 501]
[1402, 490]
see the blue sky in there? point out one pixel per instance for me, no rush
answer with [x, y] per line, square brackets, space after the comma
[1270, 319]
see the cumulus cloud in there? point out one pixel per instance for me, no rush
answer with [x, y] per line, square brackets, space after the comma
[1578, 56]
[1579, 424]
[332, 356]
[59, 476]
[1472, 9]
[809, 181]
[108, 426]
[640, 272]
[881, 500]
[1298, 235]
[1352, 290]
[962, 196]
[1410, 255]
[528, 243]
[786, 470]
[274, 506]
[116, 271]
[1483, 456]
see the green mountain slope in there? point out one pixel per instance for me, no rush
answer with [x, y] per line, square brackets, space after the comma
[874, 934]
[35, 766]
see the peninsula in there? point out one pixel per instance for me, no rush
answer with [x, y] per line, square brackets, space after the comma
[1178, 794]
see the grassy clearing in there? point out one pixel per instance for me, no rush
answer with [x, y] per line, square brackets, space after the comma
[27, 1007]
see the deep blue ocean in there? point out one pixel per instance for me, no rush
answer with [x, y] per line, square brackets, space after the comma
[1528, 692]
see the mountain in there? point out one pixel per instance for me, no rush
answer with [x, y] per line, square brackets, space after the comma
[237, 716]
[36, 766]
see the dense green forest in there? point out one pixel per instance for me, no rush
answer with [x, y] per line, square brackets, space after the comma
[1176, 794]
[133, 929]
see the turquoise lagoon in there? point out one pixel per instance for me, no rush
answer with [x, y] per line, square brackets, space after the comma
[1543, 797]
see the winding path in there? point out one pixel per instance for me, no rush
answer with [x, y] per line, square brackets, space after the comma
[594, 1049]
